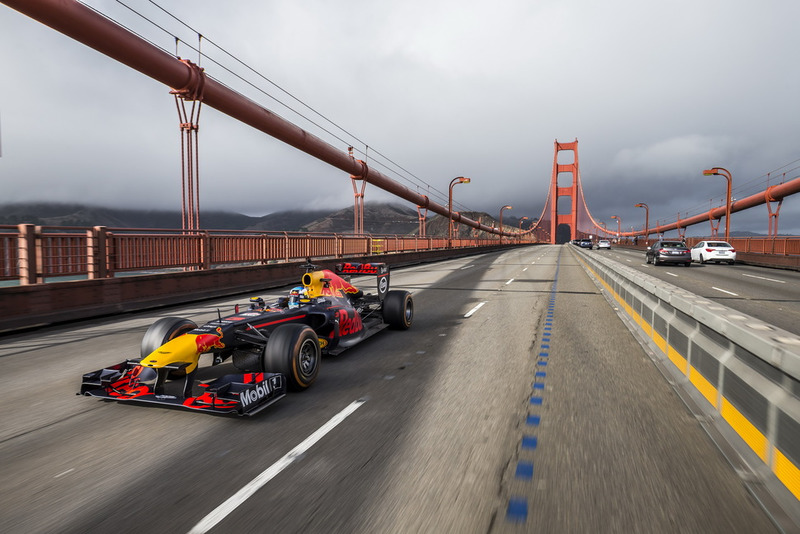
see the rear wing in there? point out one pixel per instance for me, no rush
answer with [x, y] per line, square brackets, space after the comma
[380, 270]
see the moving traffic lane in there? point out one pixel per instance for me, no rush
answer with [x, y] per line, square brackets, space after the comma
[771, 295]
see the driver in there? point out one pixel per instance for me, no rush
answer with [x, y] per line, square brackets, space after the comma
[298, 296]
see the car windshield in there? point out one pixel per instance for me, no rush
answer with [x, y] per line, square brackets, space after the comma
[718, 244]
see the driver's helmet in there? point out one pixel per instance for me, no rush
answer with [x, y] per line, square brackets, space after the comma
[296, 295]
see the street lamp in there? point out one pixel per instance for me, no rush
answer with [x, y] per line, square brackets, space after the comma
[619, 225]
[506, 207]
[719, 171]
[454, 181]
[520, 227]
[646, 220]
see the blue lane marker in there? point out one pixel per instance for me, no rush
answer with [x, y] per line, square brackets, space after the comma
[538, 385]
[517, 510]
[545, 346]
[541, 363]
[529, 442]
[533, 420]
[536, 400]
[544, 354]
[524, 470]
[540, 374]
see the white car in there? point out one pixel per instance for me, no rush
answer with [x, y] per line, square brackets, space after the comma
[603, 243]
[718, 251]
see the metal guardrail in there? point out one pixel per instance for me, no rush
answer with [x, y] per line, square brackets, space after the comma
[33, 254]
[742, 370]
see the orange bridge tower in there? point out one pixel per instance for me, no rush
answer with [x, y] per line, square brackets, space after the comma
[565, 194]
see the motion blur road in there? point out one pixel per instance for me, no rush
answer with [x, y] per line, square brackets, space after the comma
[538, 412]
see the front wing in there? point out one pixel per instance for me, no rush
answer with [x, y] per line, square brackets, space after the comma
[242, 394]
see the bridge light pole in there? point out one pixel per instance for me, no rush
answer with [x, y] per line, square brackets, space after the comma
[646, 220]
[520, 227]
[506, 207]
[619, 225]
[454, 181]
[719, 171]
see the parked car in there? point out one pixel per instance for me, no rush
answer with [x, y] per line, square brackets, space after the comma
[586, 243]
[603, 243]
[718, 251]
[668, 251]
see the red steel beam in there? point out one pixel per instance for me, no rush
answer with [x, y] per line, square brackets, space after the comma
[777, 192]
[92, 29]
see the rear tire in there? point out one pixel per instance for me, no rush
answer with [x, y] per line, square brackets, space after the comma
[293, 350]
[398, 310]
[701, 259]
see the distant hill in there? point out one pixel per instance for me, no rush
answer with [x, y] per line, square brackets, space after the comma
[378, 218]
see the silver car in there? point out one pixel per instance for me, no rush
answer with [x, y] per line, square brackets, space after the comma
[668, 251]
[718, 251]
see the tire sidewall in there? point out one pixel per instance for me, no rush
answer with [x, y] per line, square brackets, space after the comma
[398, 310]
[289, 346]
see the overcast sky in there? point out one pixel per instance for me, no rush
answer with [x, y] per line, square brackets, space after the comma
[655, 92]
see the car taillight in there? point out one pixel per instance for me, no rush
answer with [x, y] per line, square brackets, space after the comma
[662, 250]
[732, 250]
[709, 250]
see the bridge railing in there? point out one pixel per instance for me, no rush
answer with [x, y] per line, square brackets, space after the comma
[34, 254]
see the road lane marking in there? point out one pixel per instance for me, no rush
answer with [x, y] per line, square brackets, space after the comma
[728, 292]
[672, 274]
[467, 267]
[525, 269]
[476, 308]
[222, 511]
[509, 281]
[764, 278]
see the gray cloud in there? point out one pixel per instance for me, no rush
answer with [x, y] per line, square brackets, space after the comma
[654, 93]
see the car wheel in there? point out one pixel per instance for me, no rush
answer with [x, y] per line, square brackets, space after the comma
[688, 264]
[164, 330]
[702, 260]
[731, 262]
[655, 261]
[293, 350]
[398, 310]
[647, 259]
[161, 331]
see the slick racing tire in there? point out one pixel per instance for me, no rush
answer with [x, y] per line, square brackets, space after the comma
[398, 310]
[293, 350]
[164, 330]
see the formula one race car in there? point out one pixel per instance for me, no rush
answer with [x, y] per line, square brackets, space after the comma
[278, 345]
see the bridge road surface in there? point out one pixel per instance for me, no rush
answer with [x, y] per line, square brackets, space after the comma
[435, 446]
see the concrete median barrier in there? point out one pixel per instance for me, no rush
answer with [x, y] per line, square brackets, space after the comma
[744, 373]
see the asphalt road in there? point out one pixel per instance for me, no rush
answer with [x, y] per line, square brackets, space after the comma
[433, 426]
[771, 295]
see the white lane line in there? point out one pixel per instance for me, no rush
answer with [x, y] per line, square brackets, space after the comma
[763, 278]
[509, 281]
[525, 269]
[672, 274]
[728, 292]
[476, 308]
[64, 473]
[222, 511]
[467, 267]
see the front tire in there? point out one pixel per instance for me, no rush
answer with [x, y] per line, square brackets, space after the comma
[163, 330]
[293, 350]
[398, 310]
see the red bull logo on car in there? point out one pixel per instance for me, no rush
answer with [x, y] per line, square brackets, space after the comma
[207, 342]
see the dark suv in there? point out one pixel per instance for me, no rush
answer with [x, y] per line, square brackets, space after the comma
[585, 243]
[669, 251]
